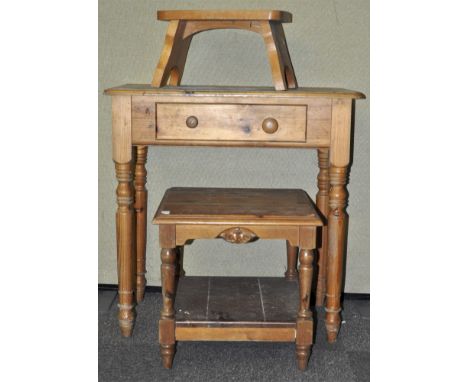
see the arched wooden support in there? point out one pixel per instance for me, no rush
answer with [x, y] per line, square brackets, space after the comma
[183, 25]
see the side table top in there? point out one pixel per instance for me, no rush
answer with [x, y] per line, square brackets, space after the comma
[189, 205]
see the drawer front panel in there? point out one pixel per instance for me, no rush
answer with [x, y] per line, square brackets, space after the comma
[229, 122]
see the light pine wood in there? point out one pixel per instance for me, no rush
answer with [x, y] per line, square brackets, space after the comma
[237, 206]
[238, 143]
[323, 183]
[238, 235]
[197, 26]
[167, 236]
[125, 215]
[141, 202]
[304, 314]
[237, 309]
[168, 271]
[306, 258]
[240, 91]
[308, 235]
[122, 129]
[167, 322]
[235, 334]
[171, 63]
[222, 301]
[180, 261]
[304, 336]
[333, 111]
[165, 113]
[233, 15]
[278, 55]
[181, 30]
[340, 142]
[286, 67]
[207, 209]
[125, 246]
[185, 231]
[313, 126]
[291, 271]
[337, 222]
[143, 120]
[167, 342]
[231, 122]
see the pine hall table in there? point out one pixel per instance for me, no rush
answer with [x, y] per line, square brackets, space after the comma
[315, 118]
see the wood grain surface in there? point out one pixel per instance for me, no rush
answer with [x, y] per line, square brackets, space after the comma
[183, 25]
[147, 89]
[203, 205]
[240, 14]
[234, 301]
[231, 122]
[238, 123]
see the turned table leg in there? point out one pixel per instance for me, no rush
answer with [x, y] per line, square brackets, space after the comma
[304, 315]
[337, 219]
[125, 247]
[323, 183]
[291, 272]
[167, 321]
[180, 261]
[141, 201]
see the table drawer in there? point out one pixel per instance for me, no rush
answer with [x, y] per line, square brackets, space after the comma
[230, 122]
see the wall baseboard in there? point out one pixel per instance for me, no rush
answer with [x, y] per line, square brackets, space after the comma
[157, 289]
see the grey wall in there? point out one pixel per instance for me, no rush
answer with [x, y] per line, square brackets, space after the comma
[329, 46]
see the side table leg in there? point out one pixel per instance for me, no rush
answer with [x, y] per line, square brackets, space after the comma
[167, 321]
[125, 246]
[291, 272]
[304, 315]
[180, 261]
[337, 219]
[141, 201]
[323, 182]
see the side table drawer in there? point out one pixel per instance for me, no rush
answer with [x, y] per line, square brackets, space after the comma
[231, 122]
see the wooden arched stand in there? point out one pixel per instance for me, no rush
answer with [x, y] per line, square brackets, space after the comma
[183, 25]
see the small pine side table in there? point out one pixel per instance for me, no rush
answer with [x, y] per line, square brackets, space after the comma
[236, 309]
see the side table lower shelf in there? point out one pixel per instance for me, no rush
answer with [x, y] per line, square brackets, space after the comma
[236, 309]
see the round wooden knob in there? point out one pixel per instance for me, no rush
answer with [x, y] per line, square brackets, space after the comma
[192, 122]
[270, 125]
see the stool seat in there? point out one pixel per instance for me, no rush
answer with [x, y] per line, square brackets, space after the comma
[245, 14]
[246, 206]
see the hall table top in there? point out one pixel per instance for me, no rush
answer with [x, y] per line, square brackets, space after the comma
[269, 91]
